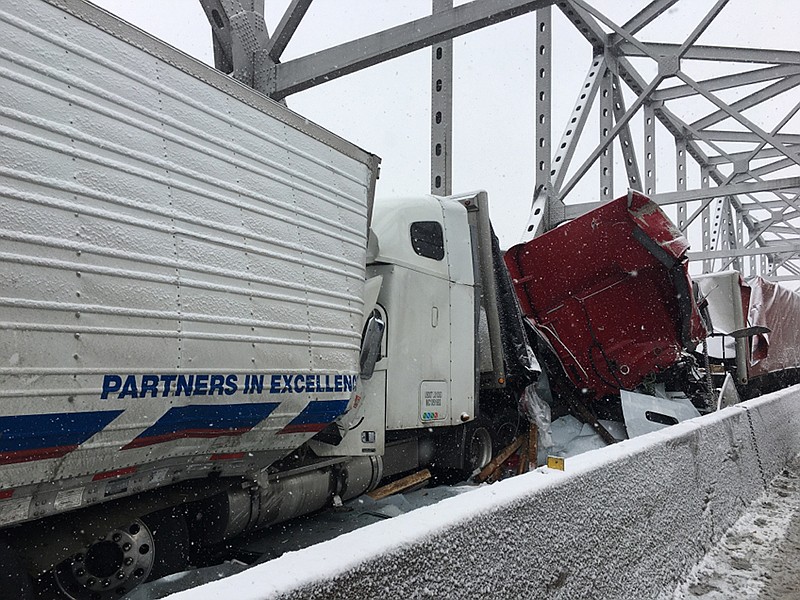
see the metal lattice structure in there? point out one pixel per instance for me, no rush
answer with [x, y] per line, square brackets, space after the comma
[735, 189]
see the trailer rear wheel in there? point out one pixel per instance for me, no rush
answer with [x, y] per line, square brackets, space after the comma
[110, 566]
[119, 561]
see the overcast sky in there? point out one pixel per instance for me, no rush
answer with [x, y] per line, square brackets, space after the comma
[386, 109]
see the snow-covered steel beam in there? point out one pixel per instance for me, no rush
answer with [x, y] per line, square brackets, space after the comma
[668, 66]
[302, 73]
[786, 248]
[766, 205]
[728, 81]
[541, 218]
[734, 113]
[679, 129]
[585, 23]
[625, 138]
[714, 53]
[217, 17]
[779, 278]
[772, 167]
[606, 125]
[750, 101]
[239, 33]
[785, 139]
[781, 227]
[544, 88]
[764, 153]
[749, 187]
[681, 179]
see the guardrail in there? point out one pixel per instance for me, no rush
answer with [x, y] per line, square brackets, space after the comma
[626, 521]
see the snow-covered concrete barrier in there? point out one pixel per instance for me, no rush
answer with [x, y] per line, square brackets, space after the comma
[626, 521]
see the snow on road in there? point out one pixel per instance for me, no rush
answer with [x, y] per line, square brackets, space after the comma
[759, 557]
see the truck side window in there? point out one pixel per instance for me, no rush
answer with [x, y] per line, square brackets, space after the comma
[427, 238]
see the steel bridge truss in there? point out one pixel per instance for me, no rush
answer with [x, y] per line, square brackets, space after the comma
[735, 189]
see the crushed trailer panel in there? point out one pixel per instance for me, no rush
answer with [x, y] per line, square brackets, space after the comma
[778, 309]
[610, 293]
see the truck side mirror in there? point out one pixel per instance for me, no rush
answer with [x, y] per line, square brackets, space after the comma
[371, 344]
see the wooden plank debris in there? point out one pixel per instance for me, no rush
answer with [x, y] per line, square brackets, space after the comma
[495, 464]
[400, 485]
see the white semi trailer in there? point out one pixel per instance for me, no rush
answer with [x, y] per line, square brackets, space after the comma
[200, 333]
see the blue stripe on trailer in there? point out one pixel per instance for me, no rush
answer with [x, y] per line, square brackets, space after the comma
[26, 438]
[204, 421]
[316, 416]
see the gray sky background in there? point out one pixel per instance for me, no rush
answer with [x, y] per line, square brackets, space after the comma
[386, 109]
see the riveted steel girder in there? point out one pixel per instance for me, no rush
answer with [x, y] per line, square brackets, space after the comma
[749, 165]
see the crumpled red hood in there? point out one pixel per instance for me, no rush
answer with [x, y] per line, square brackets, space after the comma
[610, 291]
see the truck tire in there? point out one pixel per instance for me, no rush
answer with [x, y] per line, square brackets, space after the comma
[478, 445]
[463, 451]
[506, 426]
[14, 579]
[145, 549]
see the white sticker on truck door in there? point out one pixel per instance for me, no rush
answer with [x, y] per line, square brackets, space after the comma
[433, 401]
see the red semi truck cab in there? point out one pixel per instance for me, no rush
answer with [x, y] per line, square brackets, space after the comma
[610, 293]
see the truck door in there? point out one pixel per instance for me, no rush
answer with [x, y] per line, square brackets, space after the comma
[462, 305]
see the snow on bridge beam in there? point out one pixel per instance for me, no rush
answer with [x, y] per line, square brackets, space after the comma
[750, 187]
[305, 72]
[779, 278]
[714, 53]
[727, 81]
[735, 252]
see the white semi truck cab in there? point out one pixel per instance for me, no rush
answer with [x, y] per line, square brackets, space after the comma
[440, 394]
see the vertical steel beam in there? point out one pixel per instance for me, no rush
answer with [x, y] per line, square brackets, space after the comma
[738, 236]
[705, 173]
[650, 155]
[717, 226]
[680, 180]
[442, 110]
[540, 219]
[728, 232]
[544, 88]
[606, 125]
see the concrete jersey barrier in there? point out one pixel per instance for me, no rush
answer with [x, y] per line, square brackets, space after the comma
[626, 521]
